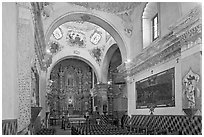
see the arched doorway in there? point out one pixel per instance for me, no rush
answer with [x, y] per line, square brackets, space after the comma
[71, 81]
[96, 73]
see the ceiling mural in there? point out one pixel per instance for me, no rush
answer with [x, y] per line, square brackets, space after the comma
[54, 47]
[80, 35]
[76, 38]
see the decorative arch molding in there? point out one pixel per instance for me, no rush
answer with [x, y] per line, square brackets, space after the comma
[74, 57]
[92, 18]
[106, 62]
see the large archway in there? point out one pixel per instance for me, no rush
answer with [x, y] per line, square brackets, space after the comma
[74, 57]
[71, 80]
[106, 62]
[84, 16]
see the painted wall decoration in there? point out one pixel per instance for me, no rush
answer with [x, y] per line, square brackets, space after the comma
[54, 47]
[97, 53]
[76, 38]
[58, 34]
[95, 37]
[191, 81]
[191, 90]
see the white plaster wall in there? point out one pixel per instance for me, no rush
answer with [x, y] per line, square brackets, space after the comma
[169, 14]
[136, 43]
[9, 61]
[177, 110]
[146, 32]
[185, 7]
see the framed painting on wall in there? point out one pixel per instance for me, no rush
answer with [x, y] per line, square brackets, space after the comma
[157, 90]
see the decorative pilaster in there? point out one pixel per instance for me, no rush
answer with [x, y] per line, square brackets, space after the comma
[25, 53]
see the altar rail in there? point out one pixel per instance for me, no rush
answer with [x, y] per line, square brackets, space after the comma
[165, 124]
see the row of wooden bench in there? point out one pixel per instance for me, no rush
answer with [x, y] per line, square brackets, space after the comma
[99, 130]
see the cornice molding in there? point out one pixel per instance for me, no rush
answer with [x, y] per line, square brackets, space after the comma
[187, 31]
[183, 24]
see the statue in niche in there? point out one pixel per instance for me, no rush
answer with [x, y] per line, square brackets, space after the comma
[190, 91]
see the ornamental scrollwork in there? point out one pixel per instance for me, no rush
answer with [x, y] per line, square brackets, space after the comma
[95, 37]
[97, 54]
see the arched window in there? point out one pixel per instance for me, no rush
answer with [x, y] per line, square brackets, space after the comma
[150, 23]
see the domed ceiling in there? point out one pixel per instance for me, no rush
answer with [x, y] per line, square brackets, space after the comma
[79, 34]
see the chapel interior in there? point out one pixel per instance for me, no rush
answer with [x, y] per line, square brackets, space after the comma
[101, 68]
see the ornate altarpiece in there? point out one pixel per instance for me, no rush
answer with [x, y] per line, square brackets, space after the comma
[70, 90]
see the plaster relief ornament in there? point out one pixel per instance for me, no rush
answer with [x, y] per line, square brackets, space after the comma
[95, 37]
[58, 33]
[76, 38]
[191, 90]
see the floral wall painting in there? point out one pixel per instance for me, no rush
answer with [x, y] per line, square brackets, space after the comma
[76, 38]
[54, 47]
[190, 90]
[97, 53]
[95, 37]
[58, 33]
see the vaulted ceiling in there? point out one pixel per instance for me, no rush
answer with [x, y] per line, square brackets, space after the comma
[112, 7]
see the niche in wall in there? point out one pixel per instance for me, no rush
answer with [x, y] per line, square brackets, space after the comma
[157, 90]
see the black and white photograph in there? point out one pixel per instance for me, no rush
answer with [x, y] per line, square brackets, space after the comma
[101, 68]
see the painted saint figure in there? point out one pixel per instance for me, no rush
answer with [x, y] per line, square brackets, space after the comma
[190, 81]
